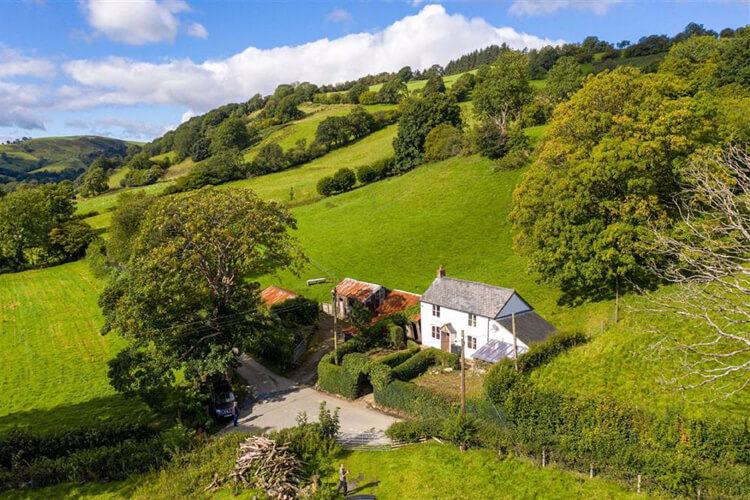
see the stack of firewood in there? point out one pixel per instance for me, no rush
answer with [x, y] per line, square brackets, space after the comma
[263, 463]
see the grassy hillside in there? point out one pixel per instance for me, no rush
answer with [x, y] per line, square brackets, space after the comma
[53, 369]
[418, 471]
[54, 154]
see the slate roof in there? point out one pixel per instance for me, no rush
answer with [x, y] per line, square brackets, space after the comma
[530, 327]
[275, 295]
[495, 350]
[355, 289]
[468, 296]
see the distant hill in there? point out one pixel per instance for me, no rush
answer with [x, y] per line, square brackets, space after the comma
[55, 158]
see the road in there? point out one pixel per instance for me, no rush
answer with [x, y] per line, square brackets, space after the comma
[279, 400]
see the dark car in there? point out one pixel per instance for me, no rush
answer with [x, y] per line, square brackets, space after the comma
[222, 400]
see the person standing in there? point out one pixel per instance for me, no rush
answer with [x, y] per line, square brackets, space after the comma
[235, 413]
[342, 480]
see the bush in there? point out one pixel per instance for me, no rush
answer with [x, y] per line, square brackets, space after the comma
[543, 352]
[461, 429]
[399, 357]
[443, 141]
[415, 430]
[413, 400]
[297, 311]
[422, 361]
[344, 179]
[326, 186]
[515, 158]
[349, 379]
[490, 140]
[366, 174]
[396, 337]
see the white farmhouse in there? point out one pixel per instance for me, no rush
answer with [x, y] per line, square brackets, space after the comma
[485, 314]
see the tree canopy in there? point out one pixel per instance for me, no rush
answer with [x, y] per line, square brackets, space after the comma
[183, 300]
[500, 96]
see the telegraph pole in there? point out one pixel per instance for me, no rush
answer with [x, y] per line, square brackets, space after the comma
[463, 374]
[515, 341]
[335, 335]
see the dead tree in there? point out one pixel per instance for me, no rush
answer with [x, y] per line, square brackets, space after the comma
[708, 259]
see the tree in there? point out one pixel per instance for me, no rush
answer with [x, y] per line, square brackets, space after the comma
[344, 179]
[333, 131]
[694, 60]
[564, 79]
[360, 122]
[707, 252]
[434, 85]
[94, 182]
[357, 90]
[443, 141]
[326, 186]
[27, 216]
[623, 44]
[126, 223]
[607, 167]
[461, 88]
[231, 134]
[404, 74]
[490, 140]
[286, 110]
[201, 149]
[501, 95]
[185, 136]
[270, 158]
[140, 161]
[732, 66]
[183, 301]
[392, 91]
[418, 117]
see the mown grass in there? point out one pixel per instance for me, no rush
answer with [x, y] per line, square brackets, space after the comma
[109, 200]
[53, 370]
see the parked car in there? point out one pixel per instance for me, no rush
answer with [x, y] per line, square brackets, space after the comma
[222, 399]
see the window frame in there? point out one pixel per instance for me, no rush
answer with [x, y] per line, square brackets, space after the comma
[435, 311]
[436, 332]
[471, 342]
[472, 319]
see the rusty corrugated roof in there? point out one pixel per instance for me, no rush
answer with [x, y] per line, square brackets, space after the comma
[395, 302]
[355, 289]
[275, 295]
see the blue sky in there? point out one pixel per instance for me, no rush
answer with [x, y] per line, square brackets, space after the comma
[134, 68]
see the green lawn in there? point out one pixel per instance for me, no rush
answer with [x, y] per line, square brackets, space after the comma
[53, 370]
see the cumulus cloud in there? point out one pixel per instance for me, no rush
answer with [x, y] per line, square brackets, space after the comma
[133, 129]
[542, 7]
[339, 16]
[419, 41]
[15, 63]
[197, 30]
[136, 22]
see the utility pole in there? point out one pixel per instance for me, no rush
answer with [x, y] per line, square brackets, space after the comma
[335, 298]
[515, 341]
[463, 374]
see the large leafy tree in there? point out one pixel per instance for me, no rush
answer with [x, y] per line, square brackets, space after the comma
[27, 217]
[418, 117]
[94, 182]
[609, 165]
[231, 134]
[500, 96]
[183, 300]
[564, 78]
[694, 60]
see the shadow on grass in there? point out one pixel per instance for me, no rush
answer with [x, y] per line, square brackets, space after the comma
[114, 408]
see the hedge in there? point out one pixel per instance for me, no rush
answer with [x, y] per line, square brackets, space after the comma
[414, 400]
[543, 352]
[29, 445]
[422, 361]
[396, 358]
[104, 463]
[333, 379]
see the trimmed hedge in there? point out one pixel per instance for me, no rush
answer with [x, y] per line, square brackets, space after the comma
[413, 431]
[333, 379]
[422, 361]
[414, 400]
[543, 352]
[396, 358]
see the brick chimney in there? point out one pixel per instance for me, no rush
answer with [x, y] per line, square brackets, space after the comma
[441, 272]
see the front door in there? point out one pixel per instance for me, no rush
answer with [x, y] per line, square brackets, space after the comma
[445, 341]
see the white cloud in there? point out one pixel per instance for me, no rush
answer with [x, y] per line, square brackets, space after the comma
[120, 127]
[419, 41]
[135, 22]
[542, 7]
[197, 30]
[339, 15]
[14, 63]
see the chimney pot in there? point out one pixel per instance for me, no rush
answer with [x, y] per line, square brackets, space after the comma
[441, 272]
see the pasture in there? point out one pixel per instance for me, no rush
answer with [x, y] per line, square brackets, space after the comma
[53, 370]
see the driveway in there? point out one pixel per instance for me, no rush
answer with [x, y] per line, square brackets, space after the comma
[279, 400]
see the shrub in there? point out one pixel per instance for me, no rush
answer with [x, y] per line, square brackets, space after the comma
[367, 174]
[368, 97]
[461, 429]
[422, 361]
[298, 311]
[415, 430]
[384, 168]
[543, 352]
[333, 379]
[396, 337]
[413, 400]
[380, 376]
[443, 141]
[490, 140]
[344, 179]
[326, 186]
[396, 358]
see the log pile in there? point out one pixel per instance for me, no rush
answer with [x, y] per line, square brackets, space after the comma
[264, 463]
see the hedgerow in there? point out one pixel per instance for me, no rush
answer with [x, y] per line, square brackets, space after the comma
[422, 361]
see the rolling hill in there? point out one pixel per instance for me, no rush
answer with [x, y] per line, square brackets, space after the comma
[55, 157]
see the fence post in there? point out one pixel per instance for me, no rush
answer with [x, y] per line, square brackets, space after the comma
[638, 489]
[591, 471]
[544, 458]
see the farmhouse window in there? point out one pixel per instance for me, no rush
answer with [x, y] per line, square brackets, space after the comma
[435, 311]
[435, 332]
[471, 342]
[472, 319]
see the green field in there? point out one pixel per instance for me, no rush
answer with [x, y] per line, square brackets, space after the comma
[109, 200]
[427, 470]
[52, 371]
